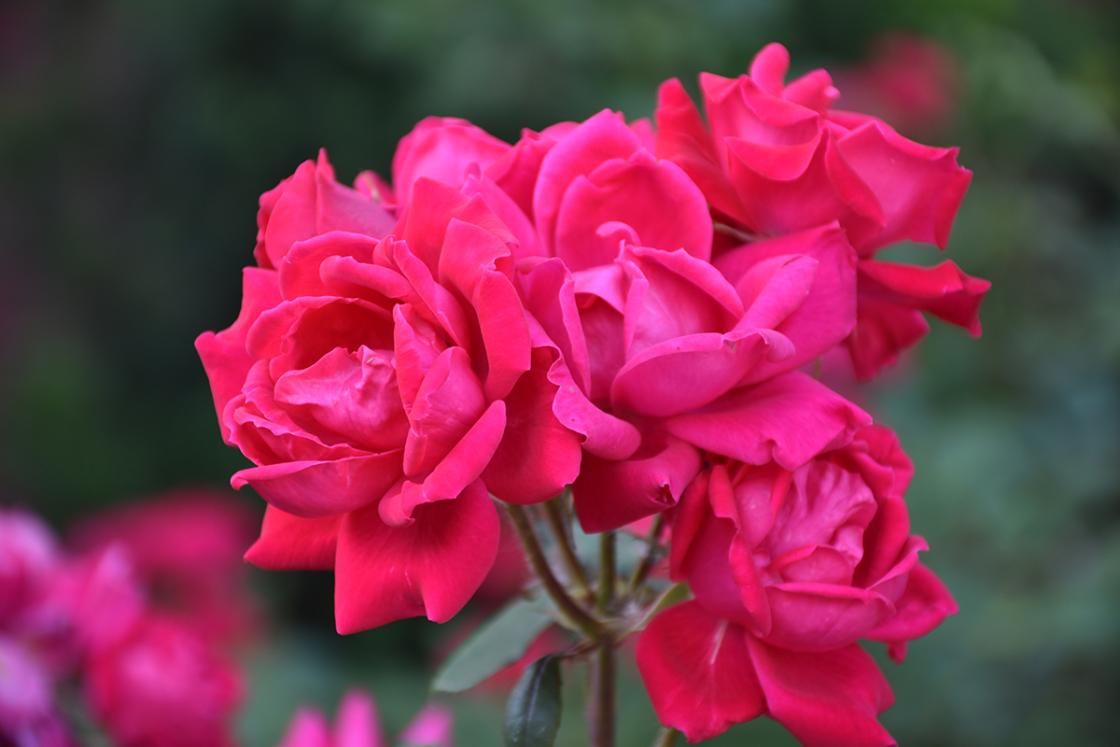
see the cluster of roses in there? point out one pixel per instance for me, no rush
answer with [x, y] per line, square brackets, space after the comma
[629, 310]
[79, 633]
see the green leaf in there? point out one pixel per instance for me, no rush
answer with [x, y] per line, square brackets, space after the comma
[533, 709]
[498, 643]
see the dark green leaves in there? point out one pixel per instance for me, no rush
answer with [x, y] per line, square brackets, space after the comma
[533, 709]
[498, 643]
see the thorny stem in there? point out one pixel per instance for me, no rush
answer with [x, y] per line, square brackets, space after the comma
[666, 737]
[558, 521]
[641, 572]
[590, 627]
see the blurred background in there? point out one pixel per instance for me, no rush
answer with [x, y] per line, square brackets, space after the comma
[136, 136]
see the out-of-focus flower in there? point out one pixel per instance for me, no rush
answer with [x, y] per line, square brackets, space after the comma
[790, 568]
[28, 558]
[186, 547]
[26, 697]
[775, 158]
[909, 80]
[357, 725]
[162, 685]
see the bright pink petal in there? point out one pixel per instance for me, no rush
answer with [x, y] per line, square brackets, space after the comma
[826, 312]
[788, 419]
[300, 268]
[944, 290]
[431, 567]
[654, 198]
[322, 488]
[312, 202]
[685, 373]
[811, 616]
[444, 149]
[600, 138]
[883, 332]
[919, 188]
[224, 355]
[610, 494]
[294, 543]
[462, 465]
[826, 699]
[352, 396]
[698, 672]
[449, 401]
[538, 456]
[683, 139]
[922, 607]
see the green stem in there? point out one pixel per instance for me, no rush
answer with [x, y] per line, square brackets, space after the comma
[559, 523]
[646, 565]
[601, 701]
[606, 571]
[579, 617]
[666, 737]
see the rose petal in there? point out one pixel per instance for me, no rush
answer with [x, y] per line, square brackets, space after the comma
[828, 699]
[788, 419]
[431, 567]
[610, 494]
[322, 488]
[294, 543]
[697, 671]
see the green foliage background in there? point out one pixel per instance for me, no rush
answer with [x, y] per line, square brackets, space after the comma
[135, 137]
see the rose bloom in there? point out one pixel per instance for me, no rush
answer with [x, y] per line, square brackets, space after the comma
[384, 386]
[646, 333]
[186, 547]
[162, 685]
[775, 158]
[790, 568]
[358, 725]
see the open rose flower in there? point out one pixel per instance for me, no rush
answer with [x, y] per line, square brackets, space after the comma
[357, 725]
[384, 387]
[775, 158]
[790, 568]
[663, 358]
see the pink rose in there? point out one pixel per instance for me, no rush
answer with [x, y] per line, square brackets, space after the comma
[790, 568]
[664, 357]
[187, 545]
[357, 725]
[775, 158]
[161, 685]
[383, 388]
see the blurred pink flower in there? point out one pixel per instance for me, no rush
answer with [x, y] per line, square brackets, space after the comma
[909, 80]
[357, 725]
[162, 685]
[186, 546]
